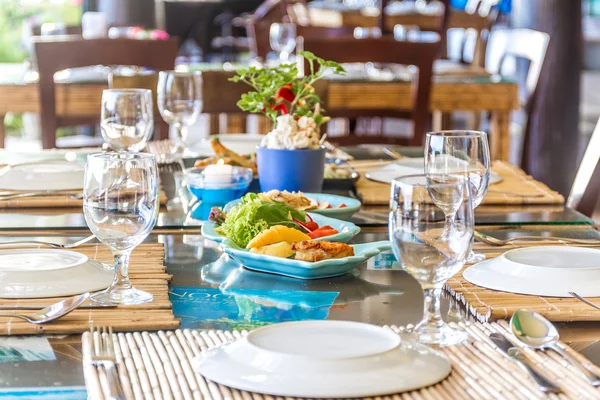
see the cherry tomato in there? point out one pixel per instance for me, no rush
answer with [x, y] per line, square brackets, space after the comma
[312, 226]
[322, 232]
[342, 206]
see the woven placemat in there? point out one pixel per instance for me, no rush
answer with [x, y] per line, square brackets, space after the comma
[516, 187]
[54, 200]
[158, 365]
[147, 271]
[489, 305]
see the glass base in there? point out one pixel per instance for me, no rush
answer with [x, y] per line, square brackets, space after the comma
[439, 335]
[475, 258]
[122, 297]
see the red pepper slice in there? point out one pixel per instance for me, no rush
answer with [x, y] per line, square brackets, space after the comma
[342, 206]
[285, 92]
[322, 232]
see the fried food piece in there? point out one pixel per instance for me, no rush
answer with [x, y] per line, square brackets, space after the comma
[313, 251]
[296, 200]
[223, 152]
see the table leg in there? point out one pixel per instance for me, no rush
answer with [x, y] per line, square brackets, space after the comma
[500, 146]
[2, 132]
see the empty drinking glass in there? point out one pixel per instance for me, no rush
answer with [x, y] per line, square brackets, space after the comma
[127, 118]
[417, 227]
[180, 101]
[121, 207]
[460, 152]
[282, 37]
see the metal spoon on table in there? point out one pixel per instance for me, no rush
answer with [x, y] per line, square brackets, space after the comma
[53, 311]
[537, 332]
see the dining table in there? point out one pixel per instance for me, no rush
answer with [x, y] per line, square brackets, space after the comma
[455, 88]
[210, 292]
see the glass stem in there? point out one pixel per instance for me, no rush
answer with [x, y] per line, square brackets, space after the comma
[178, 126]
[432, 314]
[121, 281]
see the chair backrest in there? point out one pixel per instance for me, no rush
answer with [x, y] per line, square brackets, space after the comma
[57, 53]
[585, 191]
[386, 50]
[259, 23]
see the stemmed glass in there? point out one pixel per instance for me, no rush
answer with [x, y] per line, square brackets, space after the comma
[120, 204]
[179, 100]
[416, 229]
[460, 152]
[282, 38]
[126, 118]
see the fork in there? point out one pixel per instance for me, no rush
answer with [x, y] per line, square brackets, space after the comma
[38, 193]
[501, 242]
[53, 245]
[584, 300]
[103, 355]
[516, 193]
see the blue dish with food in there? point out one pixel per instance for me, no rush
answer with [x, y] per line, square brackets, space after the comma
[304, 269]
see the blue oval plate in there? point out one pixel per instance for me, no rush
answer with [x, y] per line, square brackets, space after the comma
[304, 269]
[352, 205]
[347, 230]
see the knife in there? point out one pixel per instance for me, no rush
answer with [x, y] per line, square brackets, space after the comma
[516, 354]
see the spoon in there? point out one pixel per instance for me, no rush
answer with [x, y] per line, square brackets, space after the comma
[535, 331]
[53, 311]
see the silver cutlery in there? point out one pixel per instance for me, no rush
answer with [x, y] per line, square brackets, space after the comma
[53, 311]
[584, 300]
[40, 193]
[20, 307]
[53, 245]
[516, 354]
[104, 356]
[501, 242]
[516, 193]
[535, 331]
[393, 153]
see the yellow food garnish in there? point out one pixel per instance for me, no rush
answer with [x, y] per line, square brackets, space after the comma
[281, 249]
[276, 234]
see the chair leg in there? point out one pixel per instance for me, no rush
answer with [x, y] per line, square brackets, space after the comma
[2, 132]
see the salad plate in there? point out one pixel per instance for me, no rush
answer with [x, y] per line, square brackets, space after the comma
[347, 230]
[323, 359]
[304, 269]
[551, 271]
[409, 166]
[335, 201]
[37, 273]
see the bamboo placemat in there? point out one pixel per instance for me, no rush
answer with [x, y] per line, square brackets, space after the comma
[488, 305]
[147, 271]
[158, 365]
[516, 187]
[54, 200]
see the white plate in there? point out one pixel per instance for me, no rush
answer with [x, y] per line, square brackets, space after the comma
[46, 175]
[39, 260]
[240, 143]
[37, 273]
[542, 271]
[409, 166]
[323, 359]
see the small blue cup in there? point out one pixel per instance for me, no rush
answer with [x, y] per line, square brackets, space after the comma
[291, 170]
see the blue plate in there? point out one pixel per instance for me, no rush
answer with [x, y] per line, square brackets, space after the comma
[347, 230]
[352, 205]
[304, 269]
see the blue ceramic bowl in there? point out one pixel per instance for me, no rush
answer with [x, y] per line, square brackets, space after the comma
[347, 230]
[304, 269]
[352, 205]
[291, 170]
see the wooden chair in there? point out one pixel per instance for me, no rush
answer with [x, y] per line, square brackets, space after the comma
[585, 191]
[143, 81]
[384, 50]
[260, 21]
[477, 22]
[56, 54]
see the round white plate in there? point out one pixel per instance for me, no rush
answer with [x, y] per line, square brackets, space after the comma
[240, 143]
[323, 359]
[542, 271]
[50, 273]
[49, 175]
[39, 260]
[409, 166]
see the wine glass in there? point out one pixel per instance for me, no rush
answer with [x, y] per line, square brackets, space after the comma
[282, 37]
[120, 204]
[416, 228]
[460, 152]
[179, 100]
[127, 119]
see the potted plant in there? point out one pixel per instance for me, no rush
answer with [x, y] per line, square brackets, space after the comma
[290, 157]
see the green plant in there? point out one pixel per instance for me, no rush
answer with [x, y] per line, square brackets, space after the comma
[279, 90]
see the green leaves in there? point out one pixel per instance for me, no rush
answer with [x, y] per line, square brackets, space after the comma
[267, 81]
